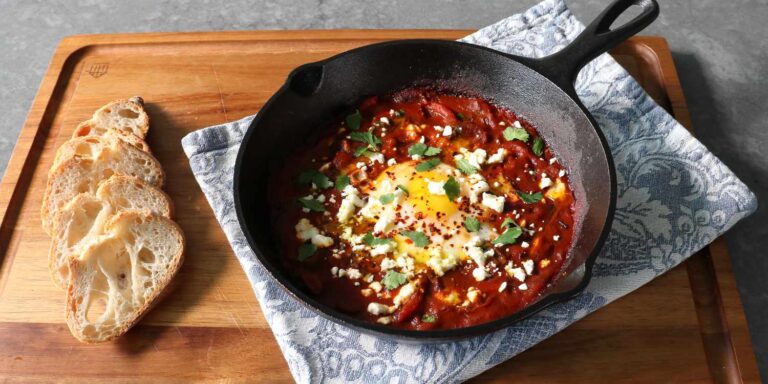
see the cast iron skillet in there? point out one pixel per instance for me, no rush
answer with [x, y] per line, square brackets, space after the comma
[541, 90]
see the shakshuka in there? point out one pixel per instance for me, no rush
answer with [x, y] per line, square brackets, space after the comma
[424, 210]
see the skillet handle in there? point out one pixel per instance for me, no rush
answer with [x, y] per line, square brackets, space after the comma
[596, 39]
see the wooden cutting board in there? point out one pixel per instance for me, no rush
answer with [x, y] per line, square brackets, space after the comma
[687, 325]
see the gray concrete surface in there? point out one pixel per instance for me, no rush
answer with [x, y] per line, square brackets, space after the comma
[721, 50]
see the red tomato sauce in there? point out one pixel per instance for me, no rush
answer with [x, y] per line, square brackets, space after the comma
[457, 298]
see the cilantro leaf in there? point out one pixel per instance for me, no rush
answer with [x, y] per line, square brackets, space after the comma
[387, 198]
[538, 146]
[509, 236]
[353, 120]
[508, 223]
[529, 198]
[452, 189]
[516, 134]
[427, 164]
[421, 149]
[393, 279]
[367, 138]
[459, 116]
[341, 182]
[419, 239]
[464, 166]
[306, 250]
[312, 205]
[402, 188]
[428, 318]
[314, 177]
[472, 224]
[369, 239]
[361, 150]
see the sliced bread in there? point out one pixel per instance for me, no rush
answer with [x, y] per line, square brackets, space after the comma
[86, 128]
[76, 174]
[123, 116]
[84, 218]
[120, 276]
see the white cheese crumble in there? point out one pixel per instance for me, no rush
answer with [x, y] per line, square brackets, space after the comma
[561, 173]
[378, 309]
[528, 266]
[493, 202]
[552, 160]
[497, 157]
[387, 263]
[354, 273]
[405, 292]
[477, 186]
[436, 187]
[474, 251]
[525, 244]
[384, 320]
[556, 237]
[545, 181]
[305, 230]
[385, 222]
[384, 120]
[515, 272]
[415, 157]
[391, 162]
[376, 286]
[475, 158]
[321, 241]
[523, 287]
[503, 286]
[351, 200]
[441, 262]
[473, 294]
[517, 124]
[448, 130]
[377, 158]
[479, 274]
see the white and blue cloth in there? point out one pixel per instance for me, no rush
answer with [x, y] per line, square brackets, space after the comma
[674, 197]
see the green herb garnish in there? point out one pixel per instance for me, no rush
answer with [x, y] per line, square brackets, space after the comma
[341, 182]
[472, 224]
[508, 223]
[387, 198]
[509, 236]
[516, 134]
[353, 120]
[538, 146]
[464, 166]
[314, 177]
[361, 150]
[529, 198]
[459, 116]
[402, 188]
[428, 318]
[452, 189]
[419, 239]
[306, 250]
[427, 164]
[373, 241]
[312, 205]
[421, 149]
[393, 279]
[367, 138]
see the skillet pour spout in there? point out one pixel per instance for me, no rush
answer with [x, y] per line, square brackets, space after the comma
[541, 90]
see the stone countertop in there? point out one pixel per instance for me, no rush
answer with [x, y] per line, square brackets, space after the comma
[720, 48]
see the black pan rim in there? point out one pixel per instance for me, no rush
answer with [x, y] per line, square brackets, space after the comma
[431, 335]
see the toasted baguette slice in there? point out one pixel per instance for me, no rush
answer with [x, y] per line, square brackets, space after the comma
[81, 174]
[86, 128]
[84, 218]
[123, 116]
[119, 277]
[91, 147]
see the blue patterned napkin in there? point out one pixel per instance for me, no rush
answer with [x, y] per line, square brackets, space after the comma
[674, 197]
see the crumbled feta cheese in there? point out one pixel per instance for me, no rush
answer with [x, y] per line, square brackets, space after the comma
[360, 165]
[503, 286]
[441, 262]
[447, 131]
[391, 162]
[384, 224]
[377, 158]
[477, 186]
[387, 263]
[556, 237]
[479, 274]
[415, 157]
[497, 157]
[517, 124]
[474, 251]
[334, 271]
[382, 249]
[405, 292]
[528, 266]
[422, 140]
[349, 203]
[438, 128]
[473, 294]
[377, 309]
[384, 120]
[545, 181]
[523, 287]
[321, 241]
[354, 273]
[493, 202]
[552, 160]
[561, 173]
[384, 320]
[436, 187]
[515, 272]
[475, 158]
[305, 230]
[525, 244]
[376, 286]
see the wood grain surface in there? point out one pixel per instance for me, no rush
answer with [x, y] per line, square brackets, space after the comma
[686, 326]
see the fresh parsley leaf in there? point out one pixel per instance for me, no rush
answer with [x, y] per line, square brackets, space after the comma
[516, 134]
[387, 198]
[427, 164]
[538, 146]
[428, 318]
[314, 177]
[452, 189]
[312, 205]
[372, 241]
[509, 236]
[419, 239]
[459, 116]
[464, 166]
[402, 188]
[367, 138]
[306, 250]
[361, 150]
[422, 149]
[472, 224]
[353, 120]
[341, 182]
[432, 151]
[529, 198]
[393, 279]
[507, 223]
